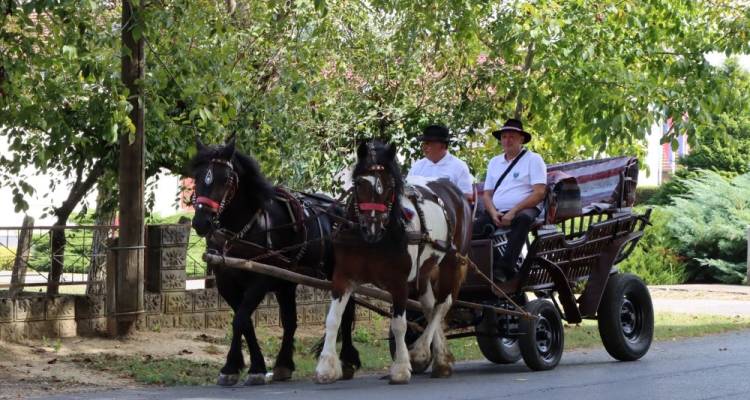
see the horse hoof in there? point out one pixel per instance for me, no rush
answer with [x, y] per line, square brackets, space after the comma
[255, 380]
[417, 367]
[441, 371]
[420, 361]
[324, 379]
[400, 374]
[399, 381]
[347, 372]
[328, 369]
[281, 374]
[228, 379]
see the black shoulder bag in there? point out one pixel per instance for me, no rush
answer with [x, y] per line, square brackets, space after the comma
[510, 167]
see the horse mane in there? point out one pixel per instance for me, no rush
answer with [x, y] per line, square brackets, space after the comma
[385, 156]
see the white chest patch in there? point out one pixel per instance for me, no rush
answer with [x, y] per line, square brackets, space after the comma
[437, 229]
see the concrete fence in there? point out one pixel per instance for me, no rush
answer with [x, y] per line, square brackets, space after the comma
[167, 301]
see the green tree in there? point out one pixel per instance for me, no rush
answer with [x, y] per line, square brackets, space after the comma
[722, 137]
[60, 107]
[709, 230]
[300, 82]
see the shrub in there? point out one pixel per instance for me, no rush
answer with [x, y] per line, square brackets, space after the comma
[709, 223]
[643, 194]
[653, 259]
[7, 257]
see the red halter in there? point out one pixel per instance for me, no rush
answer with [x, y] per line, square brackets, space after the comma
[379, 207]
[206, 202]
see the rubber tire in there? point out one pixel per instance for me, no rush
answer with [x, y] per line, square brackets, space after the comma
[626, 317]
[499, 350]
[545, 354]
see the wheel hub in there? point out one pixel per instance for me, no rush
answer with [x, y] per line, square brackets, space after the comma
[543, 336]
[630, 320]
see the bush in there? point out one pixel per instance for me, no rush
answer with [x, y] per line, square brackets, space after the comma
[672, 188]
[7, 257]
[643, 194]
[653, 258]
[709, 224]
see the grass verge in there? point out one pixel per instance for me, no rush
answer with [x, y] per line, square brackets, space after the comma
[374, 349]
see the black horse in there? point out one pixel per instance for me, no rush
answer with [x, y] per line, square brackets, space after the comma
[243, 215]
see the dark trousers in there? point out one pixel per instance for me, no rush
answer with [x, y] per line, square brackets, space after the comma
[519, 231]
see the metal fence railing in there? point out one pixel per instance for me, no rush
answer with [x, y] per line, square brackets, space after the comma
[85, 249]
[195, 267]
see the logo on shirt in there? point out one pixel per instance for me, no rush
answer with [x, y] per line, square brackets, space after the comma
[515, 175]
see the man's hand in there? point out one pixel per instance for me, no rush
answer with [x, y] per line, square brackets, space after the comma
[507, 218]
[497, 218]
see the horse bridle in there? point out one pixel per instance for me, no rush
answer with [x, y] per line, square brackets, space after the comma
[203, 202]
[382, 208]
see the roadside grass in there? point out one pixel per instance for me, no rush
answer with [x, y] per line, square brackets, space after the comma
[371, 341]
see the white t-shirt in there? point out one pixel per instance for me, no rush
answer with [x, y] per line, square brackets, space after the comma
[448, 167]
[518, 184]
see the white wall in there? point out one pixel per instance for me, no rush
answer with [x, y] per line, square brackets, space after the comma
[165, 189]
[650, 173]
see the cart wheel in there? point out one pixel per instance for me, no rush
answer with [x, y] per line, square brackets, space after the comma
[541, 339]
[626, 317]
[497, 349]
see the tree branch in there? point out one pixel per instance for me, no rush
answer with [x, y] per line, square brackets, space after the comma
[527, 71]
[78, 191]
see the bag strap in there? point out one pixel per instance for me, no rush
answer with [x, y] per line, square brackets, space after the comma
[507, 170]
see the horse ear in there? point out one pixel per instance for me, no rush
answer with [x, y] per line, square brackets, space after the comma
[232, 139]
[390, 151]
[362, 150]
[228, 151]
[199, 145]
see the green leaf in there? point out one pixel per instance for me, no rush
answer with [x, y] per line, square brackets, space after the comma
[70, 52]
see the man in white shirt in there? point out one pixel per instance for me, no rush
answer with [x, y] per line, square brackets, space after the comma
[439, 163]
[514, 202]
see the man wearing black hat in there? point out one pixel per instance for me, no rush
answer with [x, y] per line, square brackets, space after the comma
[439, 163]
[513, 190]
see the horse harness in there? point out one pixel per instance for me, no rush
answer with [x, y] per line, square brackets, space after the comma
[299, 208]
[418, 195]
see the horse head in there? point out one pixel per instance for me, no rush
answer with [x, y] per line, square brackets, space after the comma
[216, 182]
[377, 186]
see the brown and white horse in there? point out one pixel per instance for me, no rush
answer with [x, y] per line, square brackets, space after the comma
[404, 235]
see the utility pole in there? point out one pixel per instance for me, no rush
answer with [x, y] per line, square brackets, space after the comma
[130, 252]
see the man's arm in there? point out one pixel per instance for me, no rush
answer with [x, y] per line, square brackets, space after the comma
[530, 201]
[465, 182]
[490, 207]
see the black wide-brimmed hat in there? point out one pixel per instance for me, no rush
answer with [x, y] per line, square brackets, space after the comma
[435, 133]
[513, 125]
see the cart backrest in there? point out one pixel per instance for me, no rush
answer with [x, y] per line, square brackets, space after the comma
[577, 257]
[578, 187]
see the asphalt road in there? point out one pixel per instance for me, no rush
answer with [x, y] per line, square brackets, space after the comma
[714, 367]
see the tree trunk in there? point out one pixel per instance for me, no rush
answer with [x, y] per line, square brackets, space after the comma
[57, 235]
[131, 181]
[22, 257]
[105, 216]
[527, 71]
[57, 253]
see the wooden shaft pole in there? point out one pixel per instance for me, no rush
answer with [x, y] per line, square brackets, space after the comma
[375, 293]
